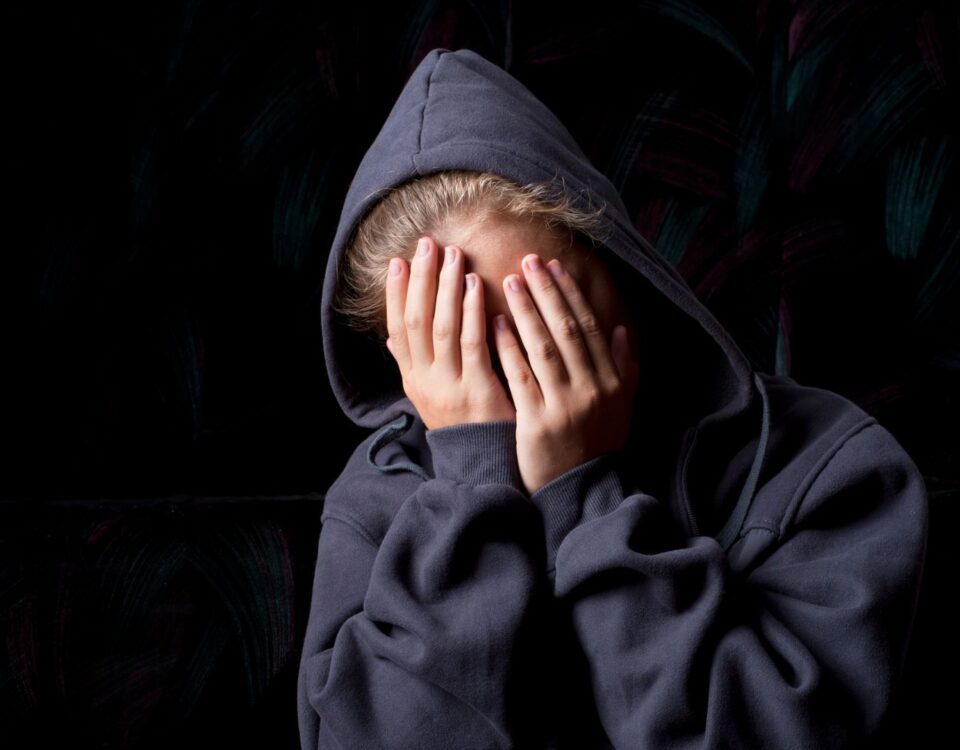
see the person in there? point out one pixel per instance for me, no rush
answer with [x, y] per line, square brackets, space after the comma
[600, 526]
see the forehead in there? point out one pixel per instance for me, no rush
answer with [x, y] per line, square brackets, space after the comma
[495, 245]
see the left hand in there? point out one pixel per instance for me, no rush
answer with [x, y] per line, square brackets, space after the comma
[574, 398]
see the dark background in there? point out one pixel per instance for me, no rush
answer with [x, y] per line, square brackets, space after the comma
[174, 175]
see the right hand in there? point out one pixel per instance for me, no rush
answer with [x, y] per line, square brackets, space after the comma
[447, 373]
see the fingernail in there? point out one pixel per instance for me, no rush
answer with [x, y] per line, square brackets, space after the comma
[533, 263]
[423, 246]
[394, 267]
[514, 283]
[501, 322]
[450, 254]
[556, 270]
[471, 281]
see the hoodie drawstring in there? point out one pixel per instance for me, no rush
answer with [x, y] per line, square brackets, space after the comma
[386, 434]
[728, 535]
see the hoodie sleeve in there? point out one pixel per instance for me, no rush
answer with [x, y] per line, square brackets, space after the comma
[429, 639]
[803, 650]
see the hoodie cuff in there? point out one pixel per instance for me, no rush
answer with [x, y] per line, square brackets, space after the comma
[477, 453]
[580, 494]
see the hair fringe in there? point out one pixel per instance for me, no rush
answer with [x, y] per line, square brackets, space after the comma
[424, 204]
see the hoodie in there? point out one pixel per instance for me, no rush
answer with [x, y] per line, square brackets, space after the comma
[743, 574]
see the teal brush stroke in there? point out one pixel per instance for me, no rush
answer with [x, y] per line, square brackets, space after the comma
[302, 192]
[185, 344]
[892, 103]
[276, 123]
[210, 646]
[136, 571]
[915, 176]
[778, 73]
[751, 173]
[690, 15]
[630, 143]
[948, 357]
[805, 71]
[678, 229]
[246, 570]
[410, 34]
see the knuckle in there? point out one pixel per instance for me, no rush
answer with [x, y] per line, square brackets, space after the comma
[442, 330]
[471, 343]
[413, 321]
[592, 395]
[521, 375]
[547, 351]
[546, 282]
[568, 328]
[590, 324]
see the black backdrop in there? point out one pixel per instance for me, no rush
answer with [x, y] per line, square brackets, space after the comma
[175, 172]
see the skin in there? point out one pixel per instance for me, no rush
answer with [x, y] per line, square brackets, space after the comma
[494, 247]
[563, 368]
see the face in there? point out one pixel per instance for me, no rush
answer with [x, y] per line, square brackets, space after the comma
[493, 249]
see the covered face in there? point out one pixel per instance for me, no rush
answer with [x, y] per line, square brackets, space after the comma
[493, 248]
[459, 111]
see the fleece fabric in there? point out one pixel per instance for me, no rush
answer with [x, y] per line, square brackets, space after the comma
[743, 574]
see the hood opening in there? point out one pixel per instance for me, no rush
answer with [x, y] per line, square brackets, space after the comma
[461, 111]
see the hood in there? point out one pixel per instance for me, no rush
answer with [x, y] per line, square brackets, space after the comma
[458, 110]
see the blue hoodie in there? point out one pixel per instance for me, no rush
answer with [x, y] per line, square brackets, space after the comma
[744, 574]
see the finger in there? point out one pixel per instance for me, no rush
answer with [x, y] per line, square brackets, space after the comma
[421, 299]
[524, 388]
[593, 335]
[543, 354]
[559, 319]
[447, 316]
[474, 352]
[396, 301]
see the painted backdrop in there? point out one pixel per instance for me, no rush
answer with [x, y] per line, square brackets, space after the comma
[175, 172]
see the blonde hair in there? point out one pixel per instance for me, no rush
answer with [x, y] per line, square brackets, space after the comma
[423, 205]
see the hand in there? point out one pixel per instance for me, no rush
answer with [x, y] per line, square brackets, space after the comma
[574, 398]
[447, 373]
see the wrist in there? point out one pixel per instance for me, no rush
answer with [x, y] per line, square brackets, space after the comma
[476, 453]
